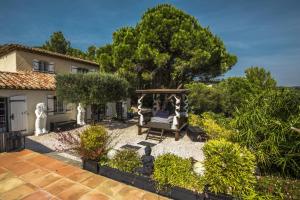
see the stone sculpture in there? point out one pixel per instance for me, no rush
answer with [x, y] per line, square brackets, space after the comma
[80, 115]
[148, 163]
[41, 118]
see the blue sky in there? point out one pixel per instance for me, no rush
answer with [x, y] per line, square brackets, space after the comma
[260, 32]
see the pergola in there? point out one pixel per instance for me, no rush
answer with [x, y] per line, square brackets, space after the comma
[180, 116]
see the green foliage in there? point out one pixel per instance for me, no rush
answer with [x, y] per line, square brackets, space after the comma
[203, 98]
[214, 125]
[229, 168]
[271, 187]
[91, 88]
[94, 143]
[126, 160]
[167, 47]
[264, 122]
[260, 78]
[235, 91]
[57, 43]
[172, 170]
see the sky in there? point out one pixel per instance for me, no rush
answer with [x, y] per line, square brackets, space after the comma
[260, 32]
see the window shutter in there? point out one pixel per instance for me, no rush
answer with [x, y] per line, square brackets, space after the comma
[50, 105]
[35, 65]
[51, 67]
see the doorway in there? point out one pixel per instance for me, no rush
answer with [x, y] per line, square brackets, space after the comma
[18, 113]
[3, 115]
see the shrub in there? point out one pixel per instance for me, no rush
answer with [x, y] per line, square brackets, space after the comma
[94, 143]
[264, 123]
[126, 160]
[214, 125]
[229, 168]
[203, 98]
[272, 187]
[172, 170]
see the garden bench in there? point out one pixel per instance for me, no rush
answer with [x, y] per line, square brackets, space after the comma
[63, 125]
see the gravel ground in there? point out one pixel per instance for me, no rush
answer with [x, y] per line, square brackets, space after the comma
[123, 133]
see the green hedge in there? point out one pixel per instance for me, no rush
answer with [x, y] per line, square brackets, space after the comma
[229, 168]
[126, 160]
[172, 170]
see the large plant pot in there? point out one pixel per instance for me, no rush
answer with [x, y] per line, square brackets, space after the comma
[90, 165]
[145, 183]
[181, 193]
[213, 196]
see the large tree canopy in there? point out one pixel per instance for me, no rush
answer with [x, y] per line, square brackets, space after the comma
[57, 43]
[91, 88]
[166, 48]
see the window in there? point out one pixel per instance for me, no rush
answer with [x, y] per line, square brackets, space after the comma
[54, 105]
[58, 106]
[80, 70]
[43, 66]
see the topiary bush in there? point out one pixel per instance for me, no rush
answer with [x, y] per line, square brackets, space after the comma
[172, 170]
[229, 168]
[126, 160]
[94, 143]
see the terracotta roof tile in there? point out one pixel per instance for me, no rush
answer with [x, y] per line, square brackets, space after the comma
[27, 80]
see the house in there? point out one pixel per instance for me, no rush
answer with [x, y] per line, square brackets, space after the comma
[27, 77]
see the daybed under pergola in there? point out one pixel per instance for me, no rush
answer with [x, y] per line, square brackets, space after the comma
[160, 122]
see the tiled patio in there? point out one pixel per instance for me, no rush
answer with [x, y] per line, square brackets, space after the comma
[29, 175]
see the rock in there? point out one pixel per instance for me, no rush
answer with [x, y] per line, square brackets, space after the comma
[198, 168]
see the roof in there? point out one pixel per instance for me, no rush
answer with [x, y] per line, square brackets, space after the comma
[27, 80]
[162, 91]
[7, 48]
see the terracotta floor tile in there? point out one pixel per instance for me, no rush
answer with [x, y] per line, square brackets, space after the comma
[10, 183]
[41, 160]
[55, 165]
[39, 195]
[110, 187]
[80, 175]
[3, 170]
[152, 196]
[94, 195]
[22, 153]
[74, 192]
[7, 160]
[34, 175]
[94, 181]
[19, 192]
[59, 186]
[128, 192]
[67, 170]
[46, 180]
[21, 168]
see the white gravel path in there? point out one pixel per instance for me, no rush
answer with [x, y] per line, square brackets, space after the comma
[126, 133]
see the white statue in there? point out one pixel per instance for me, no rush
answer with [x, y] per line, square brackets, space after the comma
[80, 115]
[41, 118]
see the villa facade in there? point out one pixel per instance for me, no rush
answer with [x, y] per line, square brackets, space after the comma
[27, 77]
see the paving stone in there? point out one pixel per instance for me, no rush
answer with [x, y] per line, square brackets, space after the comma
[41, 160]
[80, 175]
[39, 195]
[110, 187]
[21, 167]
[59, 186]
[152, 196]
[128, 192]
[74, 192]
[19, 192]
[55, 165]
[46, 180]
[34, 175]
[94, 195]
[10, 183]
[67, 170]
[93, 181]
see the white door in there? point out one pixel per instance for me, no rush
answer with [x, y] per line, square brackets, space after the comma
[18, 113]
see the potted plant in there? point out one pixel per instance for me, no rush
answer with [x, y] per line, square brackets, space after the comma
[92, 144]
